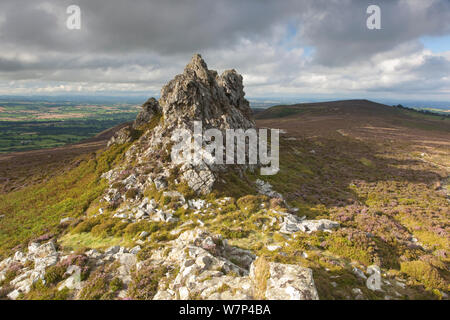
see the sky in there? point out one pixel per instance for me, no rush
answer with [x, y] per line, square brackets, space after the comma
[291, 48]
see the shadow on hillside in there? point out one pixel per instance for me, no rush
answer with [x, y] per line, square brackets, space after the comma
[327, 171]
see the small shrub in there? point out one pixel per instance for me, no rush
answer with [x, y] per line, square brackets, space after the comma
[86, 226]
[97, 286]
[12, 272]
[249, 203]
[425, 274]
[234, 233]
[54, 274]
[116, 284]
[39, 291]
[134, 228]
[131, 193]
[145, 283]
[105, 229]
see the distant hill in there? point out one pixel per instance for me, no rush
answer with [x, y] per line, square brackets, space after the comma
[356, 107]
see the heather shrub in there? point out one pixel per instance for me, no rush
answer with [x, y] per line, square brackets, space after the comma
[87, 225]
[116, 284]
[249, 203]
[234, 233]
[131, 193]
[352, 244]
[135, 228]
[276, 203]
[425, 274]
[54, 274]
[11, 272]
[96, 287]
[39, 291]
[4, 290]
[79, 260]
[144, 284]
[104, 229]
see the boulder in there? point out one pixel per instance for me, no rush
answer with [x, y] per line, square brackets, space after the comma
[149, 110]
[292, 224]
[276, 281]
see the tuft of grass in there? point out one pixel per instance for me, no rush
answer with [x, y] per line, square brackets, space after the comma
[262, 274]
[425, 274]
[249, 203]
[79, 241]
[144, 284]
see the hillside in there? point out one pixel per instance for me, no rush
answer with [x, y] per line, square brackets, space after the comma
[358, 210]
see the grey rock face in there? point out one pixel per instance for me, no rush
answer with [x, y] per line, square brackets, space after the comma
[198, 94]
[290, 282]
[150, 109]
[120, 137]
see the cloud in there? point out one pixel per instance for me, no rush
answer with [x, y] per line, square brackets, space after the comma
[137, 46]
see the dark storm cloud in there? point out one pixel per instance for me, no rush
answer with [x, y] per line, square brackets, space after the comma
[166, 27]
[146, 41]
[337, 29]
[339, 34]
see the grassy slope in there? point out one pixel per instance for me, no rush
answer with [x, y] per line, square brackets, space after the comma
[378, 188]
[379, 171]
[36, 210]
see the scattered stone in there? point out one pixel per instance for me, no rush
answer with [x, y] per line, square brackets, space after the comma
[285, 282]
[374, 281]
[292, 224]
[66, 220]
[273, 247]
[14, 294]
[112, 250]
[135, 249]
[72, 282]
[184, 293]
[143, 234]
[359, 273]
[175, 195]
[358, 293]
[121, 215]
[197, 204]
[265, 188]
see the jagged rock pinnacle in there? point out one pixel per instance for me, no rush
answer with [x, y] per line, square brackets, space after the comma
[198, 66]
[198, 94]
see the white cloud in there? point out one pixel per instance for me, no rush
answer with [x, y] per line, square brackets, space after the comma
[138, 47]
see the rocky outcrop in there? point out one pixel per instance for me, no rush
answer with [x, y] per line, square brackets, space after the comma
[122, 136]
[276, 281]
[150, 109]
[207, 268]
[40, 256]
[211, 269]
[198, 94]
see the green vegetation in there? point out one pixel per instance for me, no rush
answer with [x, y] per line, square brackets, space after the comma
[37, 210]
[390, 203]
[37, 125]
[426, 274]
[145, 283]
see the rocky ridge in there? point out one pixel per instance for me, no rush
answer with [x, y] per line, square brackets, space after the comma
[189, 260]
